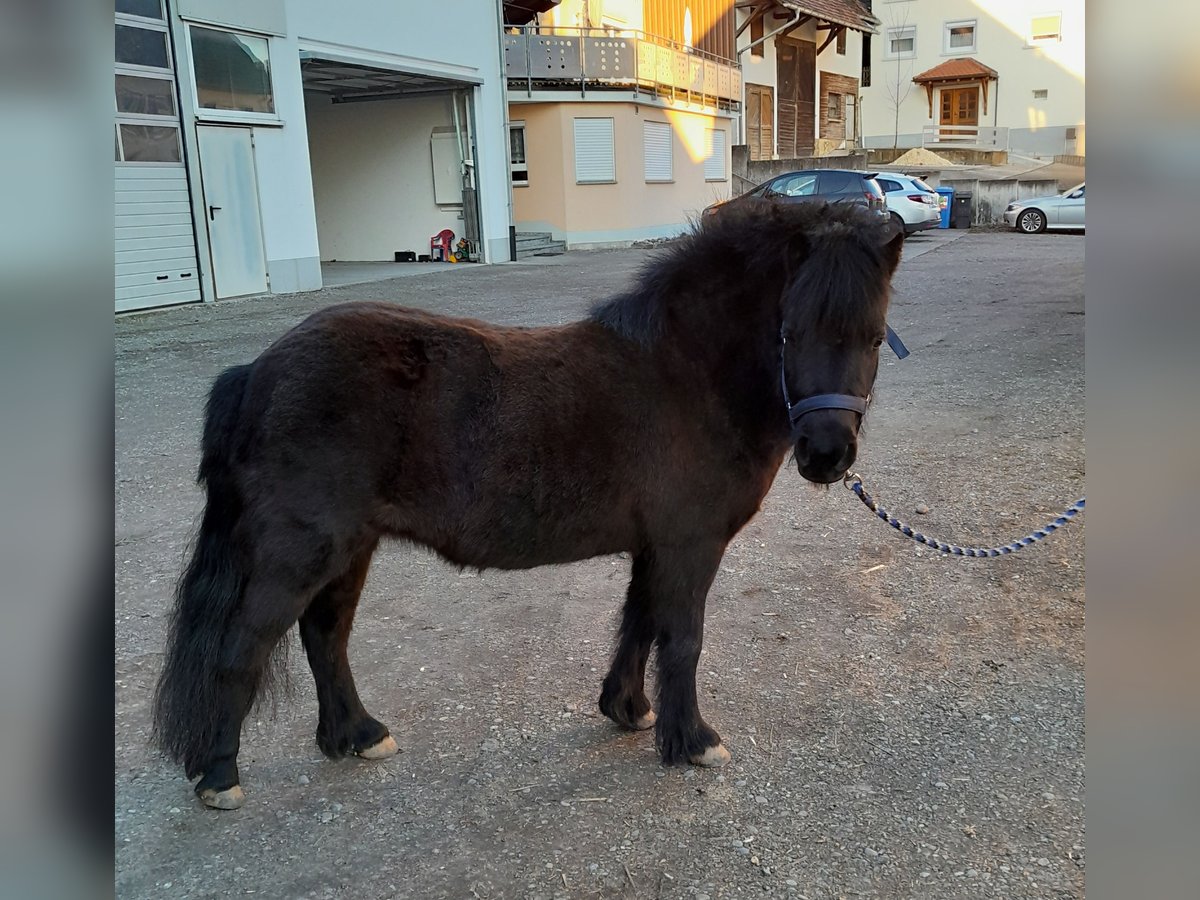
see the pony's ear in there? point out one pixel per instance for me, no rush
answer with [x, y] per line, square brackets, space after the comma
[892, 242]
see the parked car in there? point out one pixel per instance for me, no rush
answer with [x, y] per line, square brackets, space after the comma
[912, 204]
[830, 185]
[1061, 211]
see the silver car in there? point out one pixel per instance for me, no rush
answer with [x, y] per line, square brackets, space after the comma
[1061, 211]
[912, 203]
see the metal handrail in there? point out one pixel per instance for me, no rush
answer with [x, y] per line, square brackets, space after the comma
[630, 33]
[611, 57]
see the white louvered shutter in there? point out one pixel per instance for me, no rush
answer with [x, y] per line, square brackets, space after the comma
[594, 160]
[714, 162]
[656, 141]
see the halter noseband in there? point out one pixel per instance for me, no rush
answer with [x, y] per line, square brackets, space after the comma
[826, 401]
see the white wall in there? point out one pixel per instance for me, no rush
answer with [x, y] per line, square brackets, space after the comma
[284, 181]
[415, 37]
[1002, 26]
[372, 176]
[430, 38]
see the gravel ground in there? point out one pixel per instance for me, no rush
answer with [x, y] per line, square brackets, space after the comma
[902, 724]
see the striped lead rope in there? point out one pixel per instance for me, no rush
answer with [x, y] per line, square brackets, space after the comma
[853, 481]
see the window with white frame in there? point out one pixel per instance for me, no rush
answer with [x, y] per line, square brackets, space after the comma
[147, 116]
[1045, 29]
[232, 74]
[656, 145]
[595, 161]
[714, 158]
[959, 37]
[901, 42]
[517, 164]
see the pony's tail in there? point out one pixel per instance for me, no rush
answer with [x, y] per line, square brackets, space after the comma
[187, 702]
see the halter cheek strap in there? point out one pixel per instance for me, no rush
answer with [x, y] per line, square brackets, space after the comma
[826, 401]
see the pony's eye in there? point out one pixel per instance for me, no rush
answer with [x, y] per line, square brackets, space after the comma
[878, 343]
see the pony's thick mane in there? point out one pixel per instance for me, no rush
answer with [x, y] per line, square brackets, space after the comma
[827, 255]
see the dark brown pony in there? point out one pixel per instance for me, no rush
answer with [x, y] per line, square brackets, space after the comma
[654, 426]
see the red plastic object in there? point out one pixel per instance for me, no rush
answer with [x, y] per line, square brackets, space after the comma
[440, 244]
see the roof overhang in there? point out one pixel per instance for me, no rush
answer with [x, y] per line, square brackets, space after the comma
[346, 81]
[521, 12]
[851, 14]
[962, 69]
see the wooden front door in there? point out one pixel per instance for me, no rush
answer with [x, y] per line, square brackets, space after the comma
[760, 121]
[796, 70]
[960, 110]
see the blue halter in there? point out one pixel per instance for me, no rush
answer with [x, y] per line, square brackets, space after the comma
[826, 401]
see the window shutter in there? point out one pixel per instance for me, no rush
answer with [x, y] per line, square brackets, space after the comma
[656, 141]
[594, 161]
[714, 163]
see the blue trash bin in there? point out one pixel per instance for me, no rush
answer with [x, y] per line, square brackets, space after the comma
[945, 204]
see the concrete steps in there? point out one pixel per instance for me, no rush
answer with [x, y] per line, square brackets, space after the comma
[538, 243]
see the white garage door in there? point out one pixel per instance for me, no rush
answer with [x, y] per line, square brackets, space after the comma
[155, 246]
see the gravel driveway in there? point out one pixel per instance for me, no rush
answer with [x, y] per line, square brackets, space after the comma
[902, 724]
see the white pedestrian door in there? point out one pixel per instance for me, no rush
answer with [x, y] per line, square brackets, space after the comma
[231, 211]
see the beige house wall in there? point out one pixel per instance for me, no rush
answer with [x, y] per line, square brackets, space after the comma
[629, 209]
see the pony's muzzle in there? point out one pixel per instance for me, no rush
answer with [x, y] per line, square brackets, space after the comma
[826, 448]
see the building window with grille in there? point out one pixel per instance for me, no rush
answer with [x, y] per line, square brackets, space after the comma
[834, 107]
[147, 123]
[517, 164]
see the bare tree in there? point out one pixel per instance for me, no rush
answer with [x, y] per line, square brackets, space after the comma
[898, 80]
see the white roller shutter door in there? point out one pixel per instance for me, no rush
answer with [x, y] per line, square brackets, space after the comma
[154, 244]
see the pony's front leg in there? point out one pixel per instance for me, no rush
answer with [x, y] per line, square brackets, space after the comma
[680, 579]
[623, 697]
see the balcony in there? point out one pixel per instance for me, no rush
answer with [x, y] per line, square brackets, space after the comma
[594, 61]
[967, 137]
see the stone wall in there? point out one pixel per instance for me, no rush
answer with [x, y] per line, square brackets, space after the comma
[748, 173]
[990, 198]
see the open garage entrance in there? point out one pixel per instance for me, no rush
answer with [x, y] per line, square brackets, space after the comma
[392, 155]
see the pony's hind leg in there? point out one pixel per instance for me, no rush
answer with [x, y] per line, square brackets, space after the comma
[344, 726]
[623, 697]
[270, 606]
[680, 577]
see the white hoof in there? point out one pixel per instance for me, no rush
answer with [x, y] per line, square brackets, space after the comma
[646, 721]
[381, 750]
[712, 757]
[230, 798]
